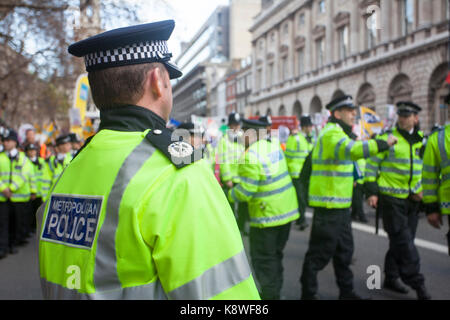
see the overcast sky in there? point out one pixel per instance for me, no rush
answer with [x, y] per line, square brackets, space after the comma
[189, 16]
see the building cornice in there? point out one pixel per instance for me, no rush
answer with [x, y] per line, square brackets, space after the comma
[399, 53]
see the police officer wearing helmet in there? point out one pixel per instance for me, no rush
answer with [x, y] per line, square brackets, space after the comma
[132, 214]
[394, 185]
[330, 194]
[266, 186]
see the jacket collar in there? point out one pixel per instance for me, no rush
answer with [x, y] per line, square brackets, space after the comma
[130, 118]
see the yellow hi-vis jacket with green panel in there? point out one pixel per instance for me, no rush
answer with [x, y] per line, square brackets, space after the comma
[38, 169]
[397, 171]
[52, 171]
[229, 152]
[331, 182]
[436, 171]
[266, 185]
[17, 175]
[297, 149]
[124, 223]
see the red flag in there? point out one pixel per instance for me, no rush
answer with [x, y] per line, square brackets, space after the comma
[448, 78]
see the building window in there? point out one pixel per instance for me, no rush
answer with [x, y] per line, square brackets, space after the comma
[343, 42]
[285, 68]
[270, 75]
[300, 61]
[407, 16]
[320, 52]
[301, 20]
[322, 6]
[446, 9]
[258, 80]
[372, 31]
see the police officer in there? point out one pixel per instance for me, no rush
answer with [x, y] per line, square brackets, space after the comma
[31, 151]
[394, 185]
[17, 184]
[132, 217]
[436, 178]
[57, 162]
[330, 194]
[266, 186]
[230, 150]
[298, 147]
[76, 143]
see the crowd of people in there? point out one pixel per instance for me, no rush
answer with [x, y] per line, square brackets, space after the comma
[28, 170]
[269, 187]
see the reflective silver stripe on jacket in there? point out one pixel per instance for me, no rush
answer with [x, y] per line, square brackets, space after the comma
[329, 199]
[273, 192]
[215, 280]
[151, 291]
[332, 174]
[394, 190]
[399, 171]
[264, 182]
[337, 148]
[106, 278]
[274, 218]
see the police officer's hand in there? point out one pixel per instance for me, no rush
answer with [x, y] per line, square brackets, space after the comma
[391, 140]
[33, 196]
[417, 197]
[435, 219]
[373, 201]
[229, 184]
[7, 193]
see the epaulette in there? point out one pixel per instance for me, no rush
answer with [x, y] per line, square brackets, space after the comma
[179, 152]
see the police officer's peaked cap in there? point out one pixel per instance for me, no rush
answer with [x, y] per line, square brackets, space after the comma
[234, 118]
[10, 134]
[190, 127]
[31, 146]
[65, 138]
[145, 43]
[407, 107]
[253, 124]
[305, 121]
[266, 119]
[344, 101]
[74, 138]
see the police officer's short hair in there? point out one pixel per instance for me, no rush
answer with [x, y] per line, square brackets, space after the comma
[115, 87]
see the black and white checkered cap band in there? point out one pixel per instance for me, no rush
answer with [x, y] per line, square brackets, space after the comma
[157, 50]
[347, 102]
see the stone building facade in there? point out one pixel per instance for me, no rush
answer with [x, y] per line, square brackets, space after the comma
[307, 52]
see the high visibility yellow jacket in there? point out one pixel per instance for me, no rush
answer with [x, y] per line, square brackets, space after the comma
[266, 185]
[436, 172]
[52, 171]
[17, 174]
[297, 149]
[331, 182]
[397, 171]
[128, 220]
[38, 170]
[229, 152]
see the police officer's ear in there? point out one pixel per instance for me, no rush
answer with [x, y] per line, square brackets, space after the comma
[157, 82]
